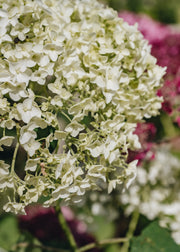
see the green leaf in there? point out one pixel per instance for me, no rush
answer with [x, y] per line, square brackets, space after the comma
[154, 239]
[105, 228]
[9, 232]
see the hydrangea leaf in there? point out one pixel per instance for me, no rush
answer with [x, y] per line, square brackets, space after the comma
[9, 232]
[154, 239]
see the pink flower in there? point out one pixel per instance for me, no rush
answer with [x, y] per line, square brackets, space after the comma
[171, 94]
[167, 52]
[43, 224]
[146, 133]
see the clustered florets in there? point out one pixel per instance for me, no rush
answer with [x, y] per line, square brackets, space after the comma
[155, 192]
[165, 42]
[74, 81]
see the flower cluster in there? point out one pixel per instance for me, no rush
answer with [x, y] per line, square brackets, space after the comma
[165, 44]
[155, 193]
[74, 81]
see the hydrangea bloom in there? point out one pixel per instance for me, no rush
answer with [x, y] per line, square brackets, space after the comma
[155, 193]
[166, 48]
[75, 79]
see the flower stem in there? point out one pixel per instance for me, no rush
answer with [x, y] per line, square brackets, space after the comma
[66, 229]
[132, 228]
[14, 157]
[39, 246]
[82, 249]
[102, 243]
[42, 97]
[66, 116]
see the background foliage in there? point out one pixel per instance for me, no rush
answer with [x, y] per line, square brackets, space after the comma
[164, 11]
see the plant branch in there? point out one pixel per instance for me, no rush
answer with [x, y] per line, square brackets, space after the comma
[132, 228]
[82, 249]
[31, 245]
[14, 157]
[66, 229]
[102, 243]
[42, 97]
[66, 116]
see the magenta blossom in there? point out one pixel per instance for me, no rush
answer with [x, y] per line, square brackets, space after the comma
[43, 224]
[171, 94]
[167, 52]
[146, 133]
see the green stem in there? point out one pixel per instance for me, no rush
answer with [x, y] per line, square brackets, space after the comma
[65, 115]
[43, 138]
[14, 158]
[42, 247]
[102, 243]
[132, 228]
[42, 97]
[66, 229]
[82, 249]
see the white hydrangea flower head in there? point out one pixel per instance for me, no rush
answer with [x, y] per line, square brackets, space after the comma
[156, 193]
[74, 81]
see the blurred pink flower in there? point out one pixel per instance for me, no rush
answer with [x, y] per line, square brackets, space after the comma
[43, 224]
[167, 52]
[146, 133]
